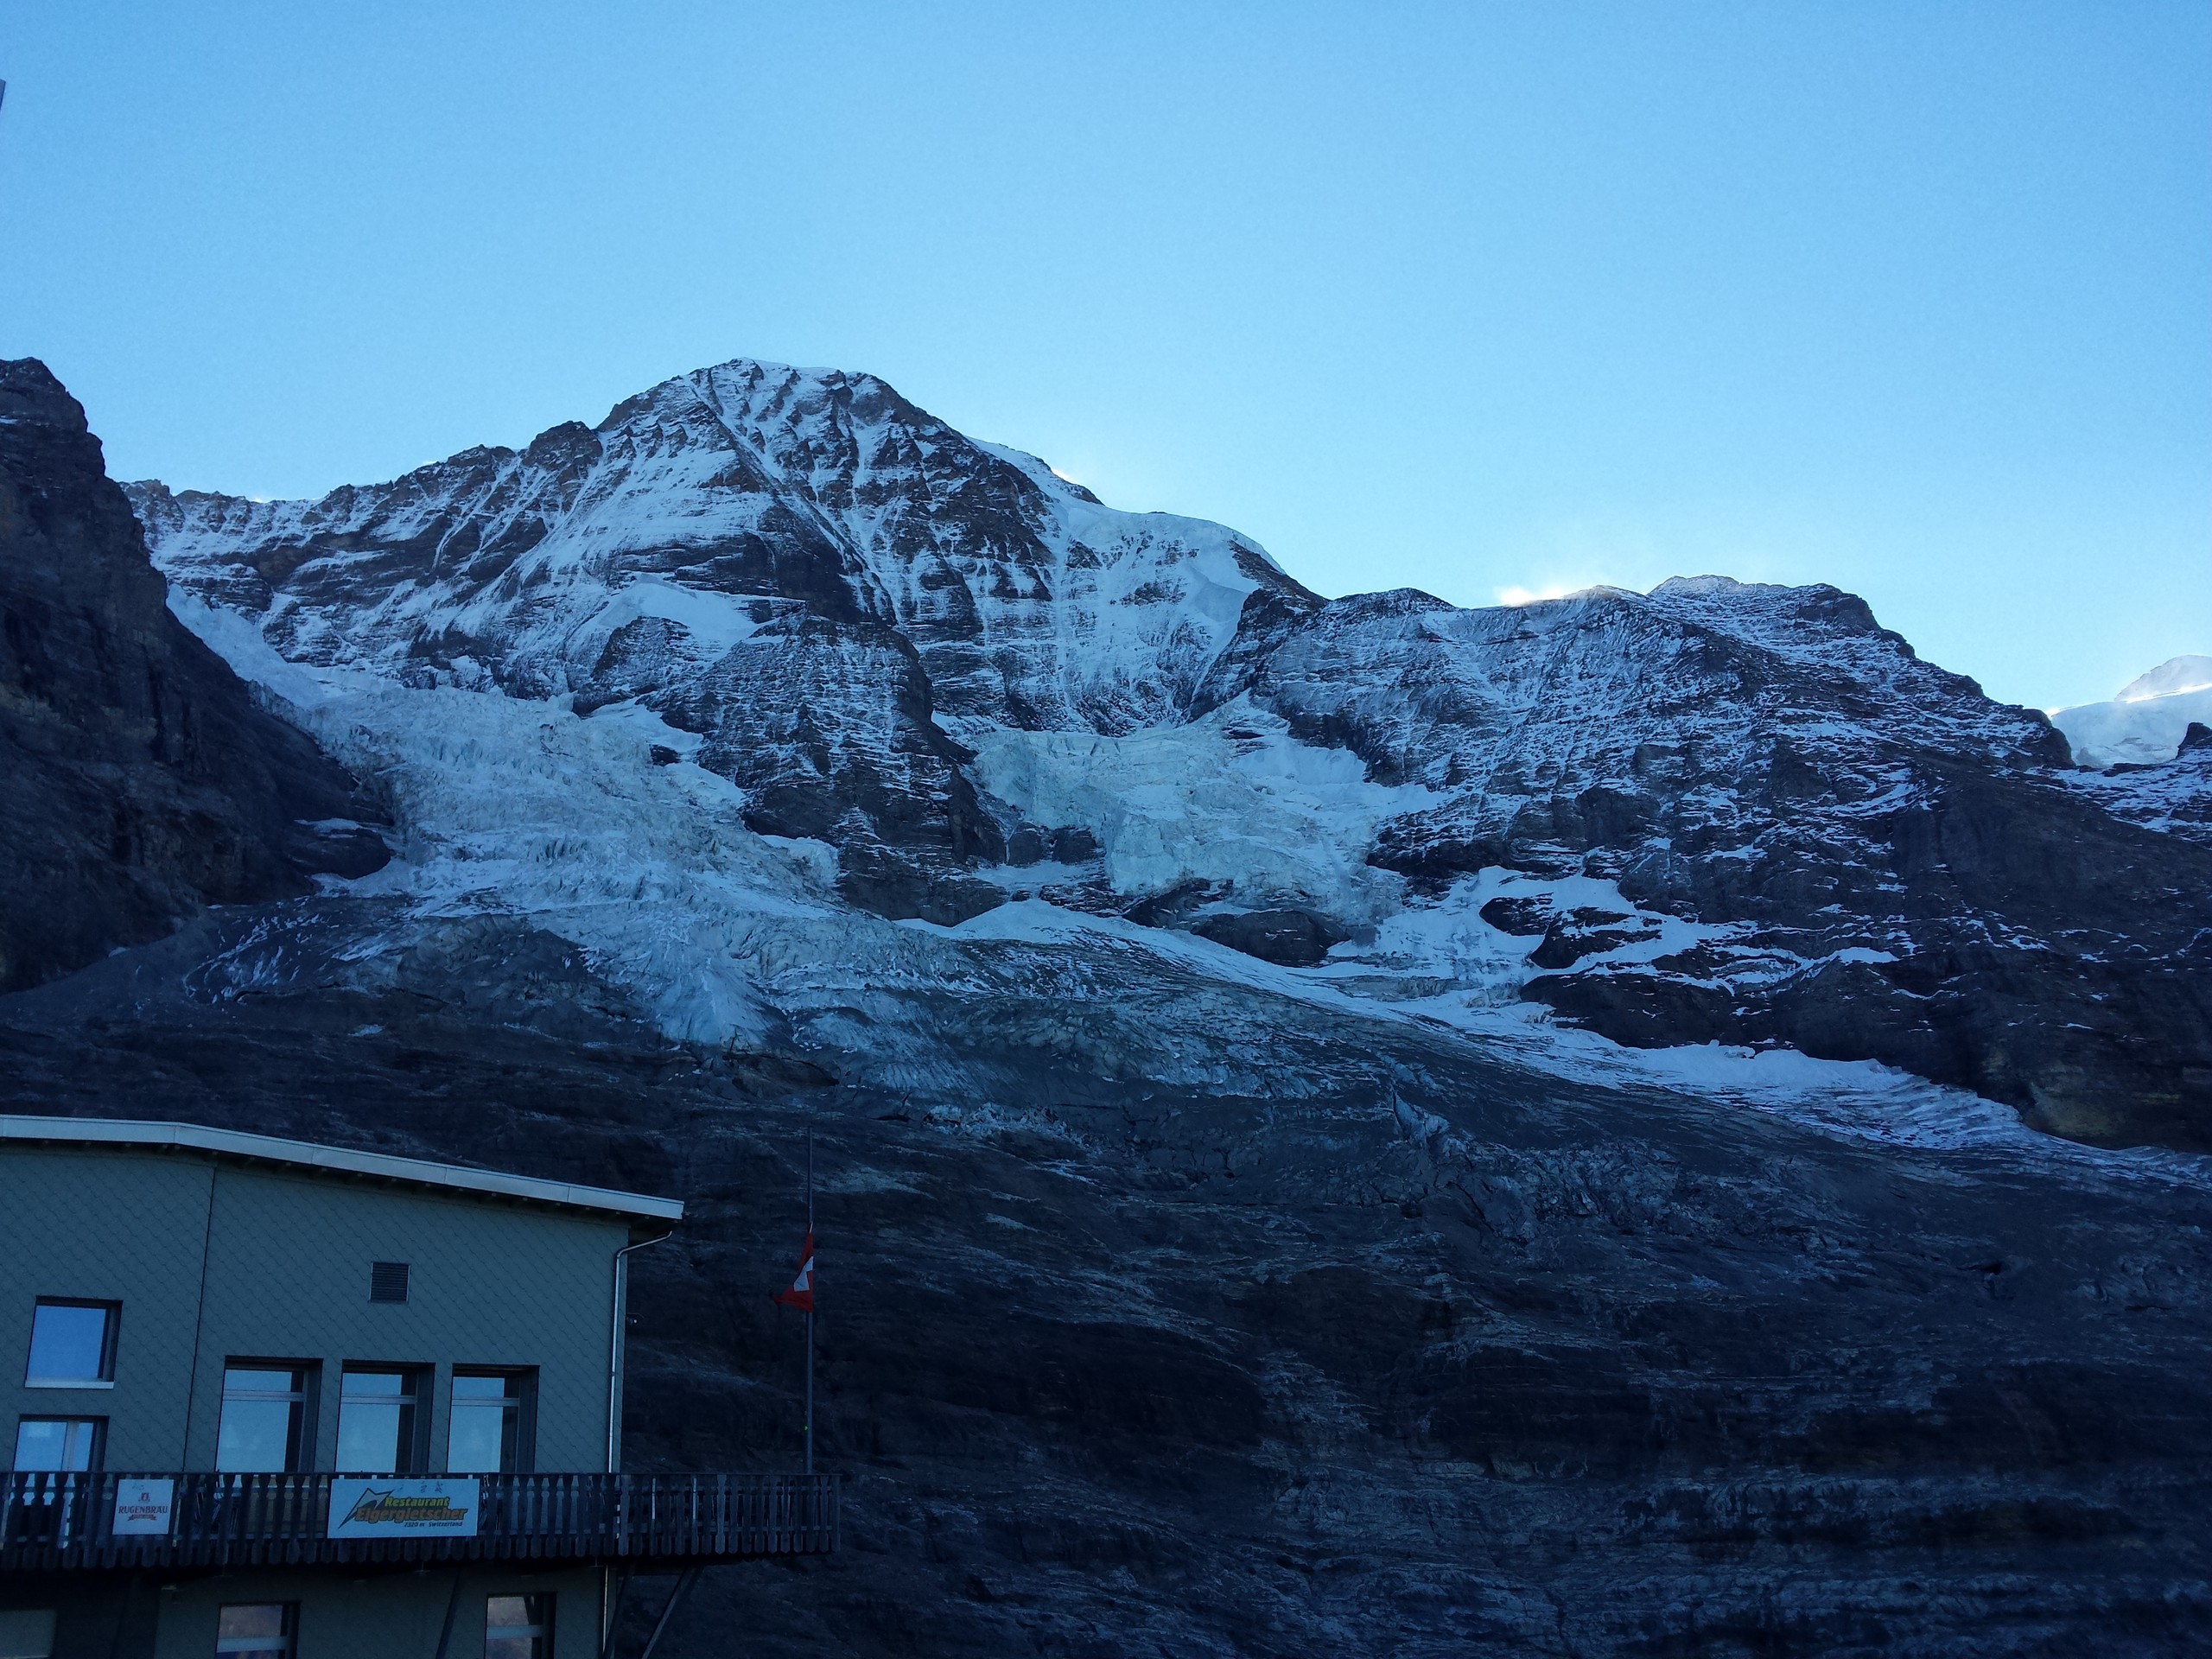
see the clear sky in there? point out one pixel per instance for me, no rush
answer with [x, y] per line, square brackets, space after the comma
[1912, 298]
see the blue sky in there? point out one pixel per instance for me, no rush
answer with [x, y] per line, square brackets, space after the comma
[1916, 299]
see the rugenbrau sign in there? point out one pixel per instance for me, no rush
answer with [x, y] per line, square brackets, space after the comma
[143, 1506]
[389, 1507]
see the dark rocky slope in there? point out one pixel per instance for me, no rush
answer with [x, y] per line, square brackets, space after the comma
[1380, 1346]
[138, 782]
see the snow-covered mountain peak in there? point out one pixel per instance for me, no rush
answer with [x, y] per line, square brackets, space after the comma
[964, 680]
[1028, 601]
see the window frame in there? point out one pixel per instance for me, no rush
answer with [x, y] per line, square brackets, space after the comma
[519, 1407]
[540, 1608]
[300, 1441]
[288, 1617]
[109, 1335]
[413, 1441]
[97, 1425]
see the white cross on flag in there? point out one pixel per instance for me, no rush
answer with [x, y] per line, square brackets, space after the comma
[801, 1293]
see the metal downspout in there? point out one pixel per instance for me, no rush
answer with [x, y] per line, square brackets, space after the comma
[614, 1353]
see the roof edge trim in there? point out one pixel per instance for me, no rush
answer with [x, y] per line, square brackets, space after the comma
[337, 1160]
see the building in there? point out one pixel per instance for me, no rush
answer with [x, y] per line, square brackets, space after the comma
[290, 1402]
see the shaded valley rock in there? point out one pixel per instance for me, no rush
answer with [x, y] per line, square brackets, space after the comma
[138, 780]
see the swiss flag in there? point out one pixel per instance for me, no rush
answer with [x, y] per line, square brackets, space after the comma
[800, 1295]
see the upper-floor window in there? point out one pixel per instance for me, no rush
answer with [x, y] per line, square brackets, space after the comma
[60, 1443]
[72, 1343]
[490, 1427]
[379, 1413]
[268, 1424]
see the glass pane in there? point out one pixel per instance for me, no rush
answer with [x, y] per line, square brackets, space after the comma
[256, 1631]
[266, 1618]
[69, 1344]
[55, 1443]
[256, 1436]
[516, 1627]
[375, 1422]
[478, 1442]
[238, 1381]
[368, 1436]
[482, 1388]
[27, 1633]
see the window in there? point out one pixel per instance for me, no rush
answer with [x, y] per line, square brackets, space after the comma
[259, 1629]
[490, 1429]
[64, 1444]
[267, 1426]
[387, 1281]
[27, 1633]
[377, 1418]
[72, 1343]
[517, 1627]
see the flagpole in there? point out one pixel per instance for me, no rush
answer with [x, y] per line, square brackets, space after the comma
[810, 1312]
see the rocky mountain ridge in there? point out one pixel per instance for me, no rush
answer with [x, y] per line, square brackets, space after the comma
[909, 647]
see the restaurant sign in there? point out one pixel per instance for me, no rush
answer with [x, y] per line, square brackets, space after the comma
[388, 1507]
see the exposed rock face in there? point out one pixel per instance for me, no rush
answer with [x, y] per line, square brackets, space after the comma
[2173, 796]
[872, 775]
[1911, 873]
[138, 782]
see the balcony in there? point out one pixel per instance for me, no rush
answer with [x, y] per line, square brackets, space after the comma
[64, 1522]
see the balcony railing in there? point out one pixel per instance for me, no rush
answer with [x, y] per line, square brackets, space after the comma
[61, 1522]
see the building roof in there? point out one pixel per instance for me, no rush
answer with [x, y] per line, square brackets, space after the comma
[454, 1178]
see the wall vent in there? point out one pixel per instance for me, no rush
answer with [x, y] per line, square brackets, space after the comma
[387, 1281]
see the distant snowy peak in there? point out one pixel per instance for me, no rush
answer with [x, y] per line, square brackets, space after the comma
[2145, 723]
[2176, 674]
[730, 489]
